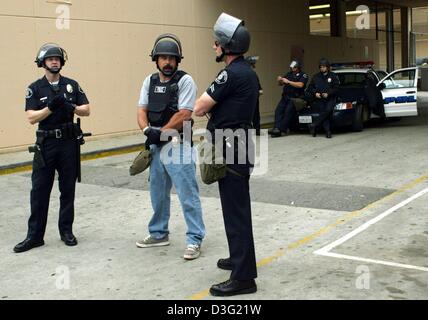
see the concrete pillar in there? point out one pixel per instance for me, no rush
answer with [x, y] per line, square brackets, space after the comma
[406, 27]
[338, 18]
[389, 39]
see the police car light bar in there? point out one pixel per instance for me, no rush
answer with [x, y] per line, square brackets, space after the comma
[353, 65]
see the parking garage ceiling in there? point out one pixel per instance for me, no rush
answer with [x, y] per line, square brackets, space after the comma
[406, 3]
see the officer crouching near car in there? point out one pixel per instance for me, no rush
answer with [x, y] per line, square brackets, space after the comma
[231, 100]
[322, 91]
[294, 83]
[52, 102]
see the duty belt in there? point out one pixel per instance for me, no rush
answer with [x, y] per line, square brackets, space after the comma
[67, 132]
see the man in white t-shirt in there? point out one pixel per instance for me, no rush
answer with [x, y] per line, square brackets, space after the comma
[166, 103]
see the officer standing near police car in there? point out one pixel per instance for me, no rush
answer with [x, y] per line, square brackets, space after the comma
[52, 102]
[166, 104]
[231, 102]
[294, 84]
[322, 91]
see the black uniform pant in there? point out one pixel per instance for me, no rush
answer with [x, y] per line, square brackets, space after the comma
[59, 155]
[236, 206]
[285, 113]
[325, 108]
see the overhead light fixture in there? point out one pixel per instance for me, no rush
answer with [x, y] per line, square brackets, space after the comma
[316, 16]
[357, 12]
[322, 6]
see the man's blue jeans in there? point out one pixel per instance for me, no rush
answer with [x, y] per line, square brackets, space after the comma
[175, 166]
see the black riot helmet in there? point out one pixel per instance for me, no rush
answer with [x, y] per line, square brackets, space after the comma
[167, 44]
[324, 62]
[252, 60]
[296, 64]
[232, 35]
[50, 50]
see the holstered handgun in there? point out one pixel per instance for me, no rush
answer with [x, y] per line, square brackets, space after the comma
[39, 160]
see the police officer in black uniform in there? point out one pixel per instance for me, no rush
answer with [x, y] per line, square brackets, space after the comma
[231, 101]
[294, 83]
[322, 92]
[52, 102]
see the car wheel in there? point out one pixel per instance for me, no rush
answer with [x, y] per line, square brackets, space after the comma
[357, 121]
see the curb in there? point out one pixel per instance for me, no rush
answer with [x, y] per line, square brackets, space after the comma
[27, 166]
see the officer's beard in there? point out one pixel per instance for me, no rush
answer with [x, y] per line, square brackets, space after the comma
[220, 58]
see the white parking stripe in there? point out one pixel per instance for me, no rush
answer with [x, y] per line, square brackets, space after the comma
[386, 263]
[325, 251]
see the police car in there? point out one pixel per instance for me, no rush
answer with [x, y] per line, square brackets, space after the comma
[366, 93]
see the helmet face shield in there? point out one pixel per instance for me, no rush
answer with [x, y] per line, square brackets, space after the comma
[232, 35]
[225, 28]
[294, 64]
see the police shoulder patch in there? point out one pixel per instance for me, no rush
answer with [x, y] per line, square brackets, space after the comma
[305, 75]
[222, 77]
[29, 93]
[81, 90]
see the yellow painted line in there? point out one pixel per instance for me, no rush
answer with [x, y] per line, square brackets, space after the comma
[110, 153]
[281, 252]
[84, 157]
[4, 172]
[200, 295]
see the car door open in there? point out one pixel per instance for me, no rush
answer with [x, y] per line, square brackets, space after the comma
[399, 91]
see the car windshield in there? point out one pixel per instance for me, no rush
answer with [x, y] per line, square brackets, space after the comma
[354, 79]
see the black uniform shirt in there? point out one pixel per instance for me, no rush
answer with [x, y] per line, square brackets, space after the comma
[236, 91]
[291, 91]
[41, 92]
[328, 83]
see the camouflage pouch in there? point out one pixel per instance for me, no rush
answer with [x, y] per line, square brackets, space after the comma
[141, 162]
[299, 103]
[211, 165]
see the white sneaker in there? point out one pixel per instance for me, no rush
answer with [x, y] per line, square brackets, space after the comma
[192, 252]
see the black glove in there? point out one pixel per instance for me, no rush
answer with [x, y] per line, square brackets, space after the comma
[56, 103]
[69, 107]
[153, 136]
